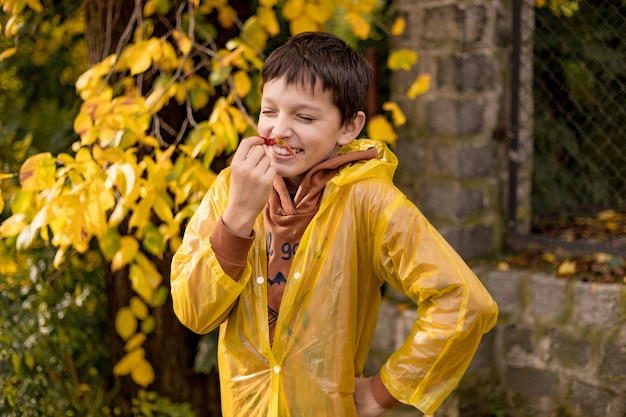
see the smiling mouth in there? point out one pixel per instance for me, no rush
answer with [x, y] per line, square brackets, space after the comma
[282, 151]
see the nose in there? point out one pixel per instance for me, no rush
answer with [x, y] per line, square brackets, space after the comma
[281, 127]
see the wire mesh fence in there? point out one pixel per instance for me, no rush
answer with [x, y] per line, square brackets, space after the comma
[579, 96]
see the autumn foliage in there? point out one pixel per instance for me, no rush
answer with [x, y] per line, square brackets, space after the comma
[131, 179]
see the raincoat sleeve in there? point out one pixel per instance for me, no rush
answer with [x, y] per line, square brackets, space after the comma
[454, 308]
[202, 292]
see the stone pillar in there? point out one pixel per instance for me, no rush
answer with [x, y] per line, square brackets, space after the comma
[452, 156]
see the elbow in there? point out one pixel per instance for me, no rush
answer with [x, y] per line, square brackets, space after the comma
[485, 312]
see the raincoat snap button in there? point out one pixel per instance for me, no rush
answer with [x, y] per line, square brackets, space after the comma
[296, 275]
[277, 369]
[260, 280]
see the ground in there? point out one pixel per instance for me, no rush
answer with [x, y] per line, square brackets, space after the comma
[590, 248]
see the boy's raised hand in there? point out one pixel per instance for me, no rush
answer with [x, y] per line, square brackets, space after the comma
[252, 175]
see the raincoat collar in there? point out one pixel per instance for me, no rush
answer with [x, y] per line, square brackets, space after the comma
[383, 166]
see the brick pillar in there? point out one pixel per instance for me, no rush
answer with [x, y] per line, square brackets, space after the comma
[452, 163]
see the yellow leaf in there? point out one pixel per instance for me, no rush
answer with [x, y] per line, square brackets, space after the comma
[149, 8]
[140, 283]
[125, 323]
[293, 9]
[398, 26]
[549, 257]
[127, 252]
[9, 52]
[402, 59]
[11, 26]
[606, 215]
[267, 19]
[165, 56]
[144, 278]
[150, 271]
[8, 265]
[380, 129]
[95, 213]
[183, 42]
[419, 86]
[83, 127]
[602, 257]
[302, 24]
[141, 214]
[502, 266]
[135, 342]
[366, 6]
[142, 373]
[13, 225]
[38, 172]
[35, 5]
[226, 16]
[396, 113]
[162, 209]
[129, 178]
[138, 58]
[567, 268]
[242, 83]
[360, 26]
[128, 362]
[254, 33]
[138, 308]
[317, 13]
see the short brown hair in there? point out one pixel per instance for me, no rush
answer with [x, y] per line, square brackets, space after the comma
[317, 57]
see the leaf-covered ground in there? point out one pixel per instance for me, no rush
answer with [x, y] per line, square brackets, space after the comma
[592, 248]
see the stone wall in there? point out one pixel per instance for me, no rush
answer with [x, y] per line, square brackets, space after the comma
[558, 350]
[453, 155]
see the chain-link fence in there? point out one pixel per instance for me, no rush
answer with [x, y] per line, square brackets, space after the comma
[580, 109]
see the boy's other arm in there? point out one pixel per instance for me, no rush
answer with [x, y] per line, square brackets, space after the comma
[454, 309]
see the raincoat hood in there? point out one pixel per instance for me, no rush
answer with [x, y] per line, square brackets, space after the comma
[383, 167]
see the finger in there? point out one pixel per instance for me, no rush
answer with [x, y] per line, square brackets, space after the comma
[245, 146]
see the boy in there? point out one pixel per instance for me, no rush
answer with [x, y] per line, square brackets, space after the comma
[287, 253]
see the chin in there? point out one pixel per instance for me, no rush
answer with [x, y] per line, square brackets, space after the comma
[290, 172]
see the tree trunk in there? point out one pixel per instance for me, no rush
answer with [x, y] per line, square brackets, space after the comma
[171, 348]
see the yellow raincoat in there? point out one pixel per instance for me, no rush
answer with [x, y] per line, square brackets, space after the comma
[365, 233]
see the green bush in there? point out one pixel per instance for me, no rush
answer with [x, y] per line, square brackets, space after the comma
[53, 358]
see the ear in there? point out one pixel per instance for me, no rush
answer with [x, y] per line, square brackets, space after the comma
[352, 128]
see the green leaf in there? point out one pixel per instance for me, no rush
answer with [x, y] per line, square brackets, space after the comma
[153, 240]
[219, 75]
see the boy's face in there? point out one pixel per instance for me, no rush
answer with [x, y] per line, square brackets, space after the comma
[308, 121]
